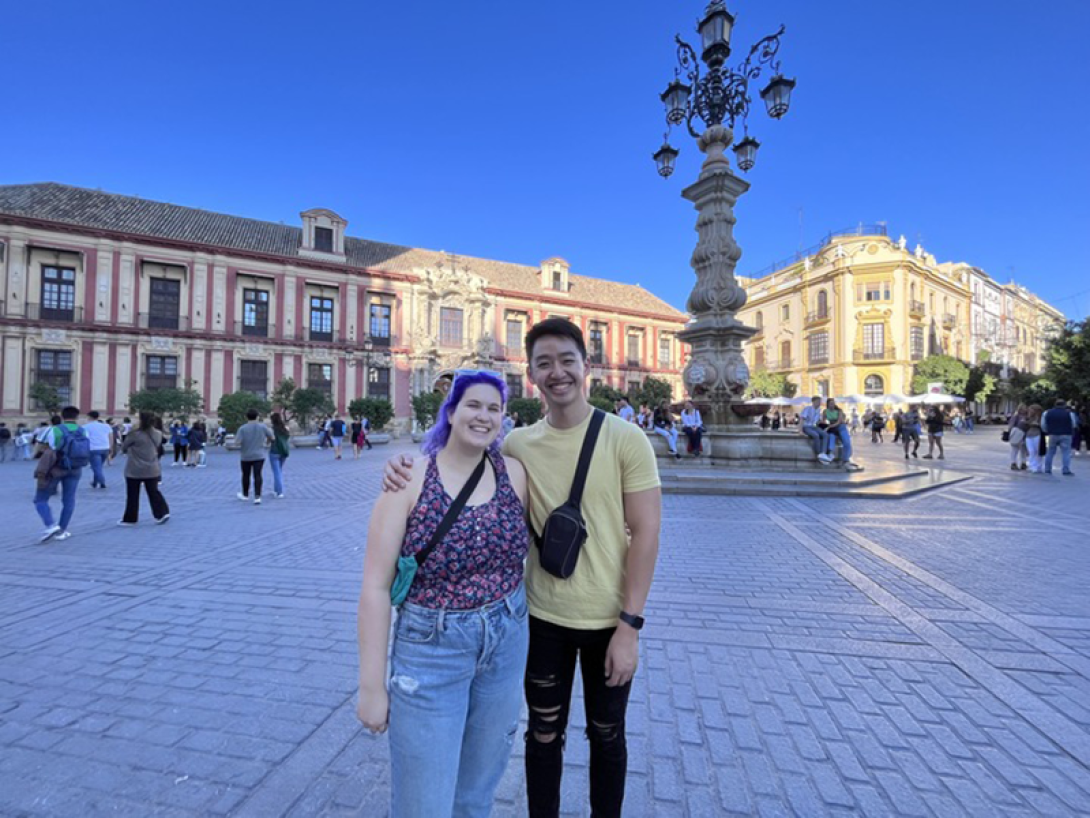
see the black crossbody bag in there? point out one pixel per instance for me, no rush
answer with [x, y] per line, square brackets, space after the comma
[565, 530]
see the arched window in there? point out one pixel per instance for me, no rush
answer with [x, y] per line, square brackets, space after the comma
[760, 320]
[823, 304]
[785, 354]
[912, 291]
[873, 385]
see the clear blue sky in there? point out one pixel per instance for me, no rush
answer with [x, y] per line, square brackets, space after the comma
[519, 131]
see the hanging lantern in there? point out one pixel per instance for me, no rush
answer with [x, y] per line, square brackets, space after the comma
[676, 98]
[715, 34]
[746, 153]
[664, 159]
[777, 95]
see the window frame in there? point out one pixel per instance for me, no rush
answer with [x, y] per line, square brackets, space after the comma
[58, 293]
[322, 307]
[447, 326]
[163, 379]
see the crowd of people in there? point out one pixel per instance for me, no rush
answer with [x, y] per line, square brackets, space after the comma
[1035, 435]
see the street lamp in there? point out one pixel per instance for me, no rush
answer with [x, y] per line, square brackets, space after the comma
[705, 90]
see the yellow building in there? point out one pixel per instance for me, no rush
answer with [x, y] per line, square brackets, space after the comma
[854, 314]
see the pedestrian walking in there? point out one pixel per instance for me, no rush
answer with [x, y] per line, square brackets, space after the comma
[6, 445]
[336, 435]
[24, 439]
[877, 426]
[355, 434]
[68, 451]
[595, 615]
[279, 452]
[970, 421]
[1059, 424]
[854, 425]
[179, 441]
[252, 438]
[1035, 439]
[936, 421]
[197, 438]
[1017, 427]
[461, 638]
[142, 468]
[102, 441]
[898, 426]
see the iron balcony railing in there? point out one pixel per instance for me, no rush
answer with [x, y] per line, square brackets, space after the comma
[634, 363]
[327, 336]
[782, 363]
[859, 230]
[152, 320]
[864, 355]
[817, 316]
[949, 321]
[598, 357]
[818, 359]
[255, 330]
[43, 312]
[916, 307]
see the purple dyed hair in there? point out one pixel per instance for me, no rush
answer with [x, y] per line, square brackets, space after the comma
[439, 434]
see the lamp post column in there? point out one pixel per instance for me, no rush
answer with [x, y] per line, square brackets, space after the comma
[716, 375]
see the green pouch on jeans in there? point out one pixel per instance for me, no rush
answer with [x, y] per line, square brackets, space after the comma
[403, 580]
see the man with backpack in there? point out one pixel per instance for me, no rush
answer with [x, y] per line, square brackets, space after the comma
[336, 434]
[69, 452]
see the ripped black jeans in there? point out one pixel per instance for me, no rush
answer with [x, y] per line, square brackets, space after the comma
[550, 672]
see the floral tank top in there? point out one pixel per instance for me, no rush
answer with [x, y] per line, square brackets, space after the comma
[482, 556]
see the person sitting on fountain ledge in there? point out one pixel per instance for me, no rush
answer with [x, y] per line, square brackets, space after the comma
[811, 418]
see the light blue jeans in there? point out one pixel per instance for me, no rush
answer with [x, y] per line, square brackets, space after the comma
[1063, 443]
[817, 436]
[455, 698]
[276, 463]
[840, 433]
[68, 485]
[98, 457]
[670, 435]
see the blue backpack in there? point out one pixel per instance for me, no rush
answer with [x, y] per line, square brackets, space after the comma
[75, 448]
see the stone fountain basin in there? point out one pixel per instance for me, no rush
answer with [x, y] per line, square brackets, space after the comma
[750, 410]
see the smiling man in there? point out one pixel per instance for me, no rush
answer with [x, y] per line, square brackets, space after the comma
[596, 614]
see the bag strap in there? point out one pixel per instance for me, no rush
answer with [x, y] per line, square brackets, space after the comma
[452, 513]
[585, 454]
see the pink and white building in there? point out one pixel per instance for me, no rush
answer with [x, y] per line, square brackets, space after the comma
[102, 294]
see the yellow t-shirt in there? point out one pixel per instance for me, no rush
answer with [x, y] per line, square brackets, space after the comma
[623, 462]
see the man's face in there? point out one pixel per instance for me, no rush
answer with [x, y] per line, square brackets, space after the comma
[558, 370]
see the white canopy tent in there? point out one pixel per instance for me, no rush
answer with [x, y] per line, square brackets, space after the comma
[934, 398]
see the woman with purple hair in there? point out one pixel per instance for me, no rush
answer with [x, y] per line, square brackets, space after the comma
[460, 641]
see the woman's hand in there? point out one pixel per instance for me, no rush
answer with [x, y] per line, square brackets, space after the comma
[373, 709]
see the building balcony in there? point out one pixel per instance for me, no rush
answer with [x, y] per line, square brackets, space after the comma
[320, 335]
[818, 360]
[381, 341]
[949, 321]
[40, 312]
[782, 363]
[513, 353]
[633, 363]
[916, 308]
[597, 358]
[255, 330]
[862, 356]
[151, 320]
[817, 317]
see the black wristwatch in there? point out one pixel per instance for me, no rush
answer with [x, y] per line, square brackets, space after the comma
[632, 620]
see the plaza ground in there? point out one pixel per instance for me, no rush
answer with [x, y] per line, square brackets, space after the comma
[803, 657]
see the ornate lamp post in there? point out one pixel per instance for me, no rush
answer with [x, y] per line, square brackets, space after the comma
[719, 97]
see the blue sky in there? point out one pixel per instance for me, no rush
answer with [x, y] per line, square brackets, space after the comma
[520, 131]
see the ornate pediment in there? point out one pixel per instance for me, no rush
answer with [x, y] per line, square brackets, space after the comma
[452, 280]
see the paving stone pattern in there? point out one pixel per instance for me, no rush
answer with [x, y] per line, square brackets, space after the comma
[803, 657]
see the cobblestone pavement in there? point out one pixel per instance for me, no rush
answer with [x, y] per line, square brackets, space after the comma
[812, 657]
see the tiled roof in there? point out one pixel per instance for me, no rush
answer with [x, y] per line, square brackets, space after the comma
[94, 209]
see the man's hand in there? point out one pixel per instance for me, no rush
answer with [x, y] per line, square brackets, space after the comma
[397, 473]
[373, 709]
[622, 656]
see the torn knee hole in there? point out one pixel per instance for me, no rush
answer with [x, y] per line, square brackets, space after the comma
[598, 731]
[544, 681]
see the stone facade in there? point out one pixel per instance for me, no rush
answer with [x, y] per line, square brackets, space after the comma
[102, 295]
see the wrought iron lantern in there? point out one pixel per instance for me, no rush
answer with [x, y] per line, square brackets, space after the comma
[719, 95]
[676, 98]
[777, 95]
[715, 31]
[746, 152]
[664, 159]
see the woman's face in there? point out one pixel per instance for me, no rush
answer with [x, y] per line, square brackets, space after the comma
[478, 417]
[689, 406]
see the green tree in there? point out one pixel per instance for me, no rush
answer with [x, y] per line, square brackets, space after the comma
[45, 397]
[605, 404]
[605, 392]
[233, 407]
[1067, 361]
[1041, 391]
[282, 397]
[377, 410]
[307, 403]
[163, 402]
[765, 384]
[426, 409]
[652, 392]
[980, 385]
[529, 409]
[953, 373]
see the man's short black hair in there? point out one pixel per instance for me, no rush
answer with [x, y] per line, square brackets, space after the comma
[93, 414]
[70, 413]
[1060, 402]
[556, 327]
[251, 414]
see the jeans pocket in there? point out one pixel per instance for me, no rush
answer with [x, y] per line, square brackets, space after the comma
[416, 630]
